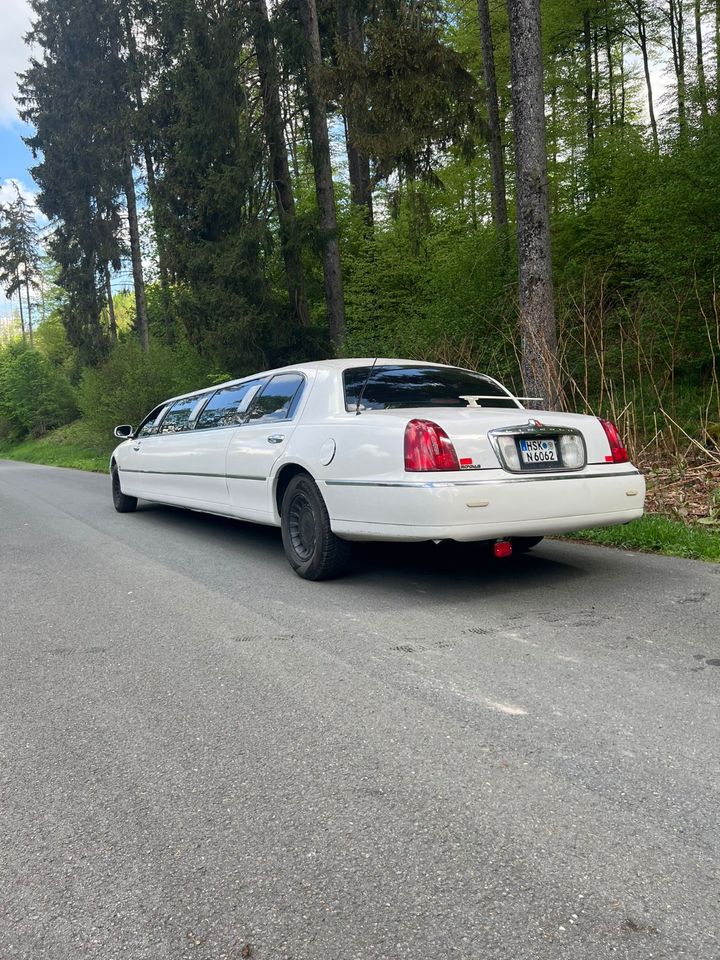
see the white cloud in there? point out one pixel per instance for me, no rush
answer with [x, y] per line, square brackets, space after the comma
[13, 54]
[9, 187]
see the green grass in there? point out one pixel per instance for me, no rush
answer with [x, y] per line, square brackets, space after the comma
[653, 534]
[69, 446]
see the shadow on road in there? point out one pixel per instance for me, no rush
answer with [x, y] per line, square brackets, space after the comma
[443, 568]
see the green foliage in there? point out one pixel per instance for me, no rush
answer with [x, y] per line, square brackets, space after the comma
[653, 534]
[448, 297]
[73, 445]
[51, 340]
[212, 205]
[34, 396]
[75, 97]
[130, 383]
[407, 93]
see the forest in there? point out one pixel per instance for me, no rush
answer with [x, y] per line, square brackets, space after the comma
[230, 186]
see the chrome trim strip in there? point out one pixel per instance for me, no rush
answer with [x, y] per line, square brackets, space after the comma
[184, 473]
[474, 483]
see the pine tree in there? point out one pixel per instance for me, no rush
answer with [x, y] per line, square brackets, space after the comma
[19, 255]
[72, 95]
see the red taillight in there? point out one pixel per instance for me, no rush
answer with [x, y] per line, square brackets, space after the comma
[618, 453]
[428, 447]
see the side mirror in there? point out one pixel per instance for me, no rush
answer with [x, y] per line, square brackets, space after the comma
[123, 432]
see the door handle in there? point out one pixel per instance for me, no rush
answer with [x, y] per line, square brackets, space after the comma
[136, 446]
[276, 438]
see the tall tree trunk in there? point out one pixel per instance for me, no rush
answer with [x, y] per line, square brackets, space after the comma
[554, 155]
[165, 297]
[358, 161]
[623, 89]
[279, 167]
[700, 60]
[596, 75]
[141, 320]
[20, 304]
[589, 104]
[611, 70]
[541, 373]
[677, 38]
[110, 304]
[497, 161]
[322, 169]
[643, 44]
[29, 311]
[289, 120]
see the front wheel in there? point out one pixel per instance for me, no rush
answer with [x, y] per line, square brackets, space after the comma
[121, 501]
[313, 550]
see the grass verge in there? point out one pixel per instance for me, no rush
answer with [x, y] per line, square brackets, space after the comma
[654, 534]
[70, 446]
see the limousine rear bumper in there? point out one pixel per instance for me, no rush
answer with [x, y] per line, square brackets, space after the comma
[483, 508]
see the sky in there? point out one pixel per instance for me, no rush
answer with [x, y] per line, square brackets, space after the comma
[15, 158]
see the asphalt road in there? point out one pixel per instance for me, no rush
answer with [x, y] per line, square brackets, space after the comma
[204, 757]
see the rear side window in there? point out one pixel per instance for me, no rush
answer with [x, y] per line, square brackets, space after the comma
[177, 418]
[391, 388]
[279, 399]
[226, 406]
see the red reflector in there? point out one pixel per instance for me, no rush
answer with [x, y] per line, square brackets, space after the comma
[428, 447]
[465, 461]
[618, 453]
[503, 548]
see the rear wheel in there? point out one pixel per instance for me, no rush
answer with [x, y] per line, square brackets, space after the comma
[121, 501]
[313, 550]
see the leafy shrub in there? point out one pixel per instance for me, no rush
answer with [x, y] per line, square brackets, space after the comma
[34, 396]
[130, 383]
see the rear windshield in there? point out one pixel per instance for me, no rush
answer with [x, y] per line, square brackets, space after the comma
[391, 388]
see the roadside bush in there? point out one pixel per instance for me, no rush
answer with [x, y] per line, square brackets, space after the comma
[34, 396]
[130, 383]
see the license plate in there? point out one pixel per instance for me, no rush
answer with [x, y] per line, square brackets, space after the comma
[538, 451]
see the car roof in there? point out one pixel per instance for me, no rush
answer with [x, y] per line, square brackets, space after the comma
[308, 367]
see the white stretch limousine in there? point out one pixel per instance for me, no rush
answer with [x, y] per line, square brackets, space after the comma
[343, 450]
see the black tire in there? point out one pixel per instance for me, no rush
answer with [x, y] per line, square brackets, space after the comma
[314, 552]
[121, 501]
[523, 544]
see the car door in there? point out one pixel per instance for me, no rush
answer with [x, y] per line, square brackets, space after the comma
[134, 478]
[162, 456]
[259, 442]
[197, 455]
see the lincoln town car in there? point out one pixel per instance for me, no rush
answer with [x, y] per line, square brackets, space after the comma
[338, 451]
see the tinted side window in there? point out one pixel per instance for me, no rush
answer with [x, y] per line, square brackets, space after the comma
[226, 406]
[279, 399]
[178, 416]
[150, 424]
